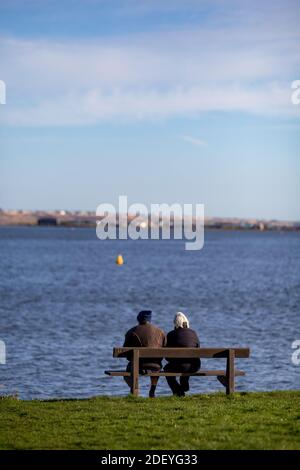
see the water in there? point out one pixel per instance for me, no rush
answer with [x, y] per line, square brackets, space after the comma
[65, 304]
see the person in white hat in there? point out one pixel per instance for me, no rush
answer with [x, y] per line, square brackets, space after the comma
[181, 337]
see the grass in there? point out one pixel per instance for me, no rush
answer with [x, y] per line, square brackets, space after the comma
[213, 421]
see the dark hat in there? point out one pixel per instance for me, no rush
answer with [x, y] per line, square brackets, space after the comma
[144, 315]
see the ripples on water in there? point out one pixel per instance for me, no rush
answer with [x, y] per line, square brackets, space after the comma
[65, 304]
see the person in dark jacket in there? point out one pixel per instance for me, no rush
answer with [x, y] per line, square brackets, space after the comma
[146, 335]
[181, 337]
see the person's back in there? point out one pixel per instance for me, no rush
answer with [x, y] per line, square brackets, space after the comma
[149, 336]
[181, 337]
[145, 335]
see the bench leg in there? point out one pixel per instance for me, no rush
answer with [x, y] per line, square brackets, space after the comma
[135, 374]
[230, 372]
[222, 380]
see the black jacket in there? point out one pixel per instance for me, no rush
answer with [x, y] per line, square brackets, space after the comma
[183, 338]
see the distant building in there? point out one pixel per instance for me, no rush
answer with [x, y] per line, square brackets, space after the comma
[47, 221]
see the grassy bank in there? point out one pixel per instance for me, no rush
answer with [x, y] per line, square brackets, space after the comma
[244, 421]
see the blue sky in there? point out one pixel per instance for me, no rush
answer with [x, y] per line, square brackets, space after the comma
[163, 101]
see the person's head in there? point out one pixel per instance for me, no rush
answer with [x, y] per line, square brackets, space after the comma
[144, 317]
[181, 321]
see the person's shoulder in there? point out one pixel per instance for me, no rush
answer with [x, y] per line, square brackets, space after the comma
[131, 331]
[171, 333]
[157, 329]
[192, 332]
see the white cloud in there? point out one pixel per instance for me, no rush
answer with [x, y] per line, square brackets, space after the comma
[151, 76]
[122, 104]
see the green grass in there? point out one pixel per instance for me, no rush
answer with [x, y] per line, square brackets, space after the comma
[214, 421]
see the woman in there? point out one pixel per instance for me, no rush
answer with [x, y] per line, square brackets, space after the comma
[181, 337]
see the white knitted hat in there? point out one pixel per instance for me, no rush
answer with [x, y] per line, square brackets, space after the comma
[181, 321]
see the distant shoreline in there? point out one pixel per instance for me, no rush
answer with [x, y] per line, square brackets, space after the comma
[88, 219]
[207, 227]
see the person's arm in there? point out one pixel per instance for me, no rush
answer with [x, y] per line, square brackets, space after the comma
[131, 341]
[127, 344]
[168, 344]
[197, 341]
[126, 340]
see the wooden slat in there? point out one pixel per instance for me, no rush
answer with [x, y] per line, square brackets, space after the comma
[230, 372]
[182, 352]
[135, 373]
[117, 373]
[123, 373]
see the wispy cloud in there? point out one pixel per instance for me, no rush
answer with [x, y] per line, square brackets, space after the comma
[194, 141]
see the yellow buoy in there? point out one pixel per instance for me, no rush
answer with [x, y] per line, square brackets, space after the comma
[119, 260]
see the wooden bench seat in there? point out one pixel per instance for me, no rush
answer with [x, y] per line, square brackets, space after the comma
[218, 373]
[226, 376]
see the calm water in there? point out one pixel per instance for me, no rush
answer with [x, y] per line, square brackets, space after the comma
[65, 304]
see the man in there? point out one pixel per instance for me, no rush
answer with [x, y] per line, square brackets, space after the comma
[181, 337]
[146, 335]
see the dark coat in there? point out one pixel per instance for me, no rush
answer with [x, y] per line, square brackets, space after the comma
[146, 335]
[183, 338]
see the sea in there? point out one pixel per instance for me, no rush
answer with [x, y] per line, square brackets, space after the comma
[65, 304]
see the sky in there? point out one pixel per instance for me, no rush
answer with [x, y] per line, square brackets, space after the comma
[165, 102]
